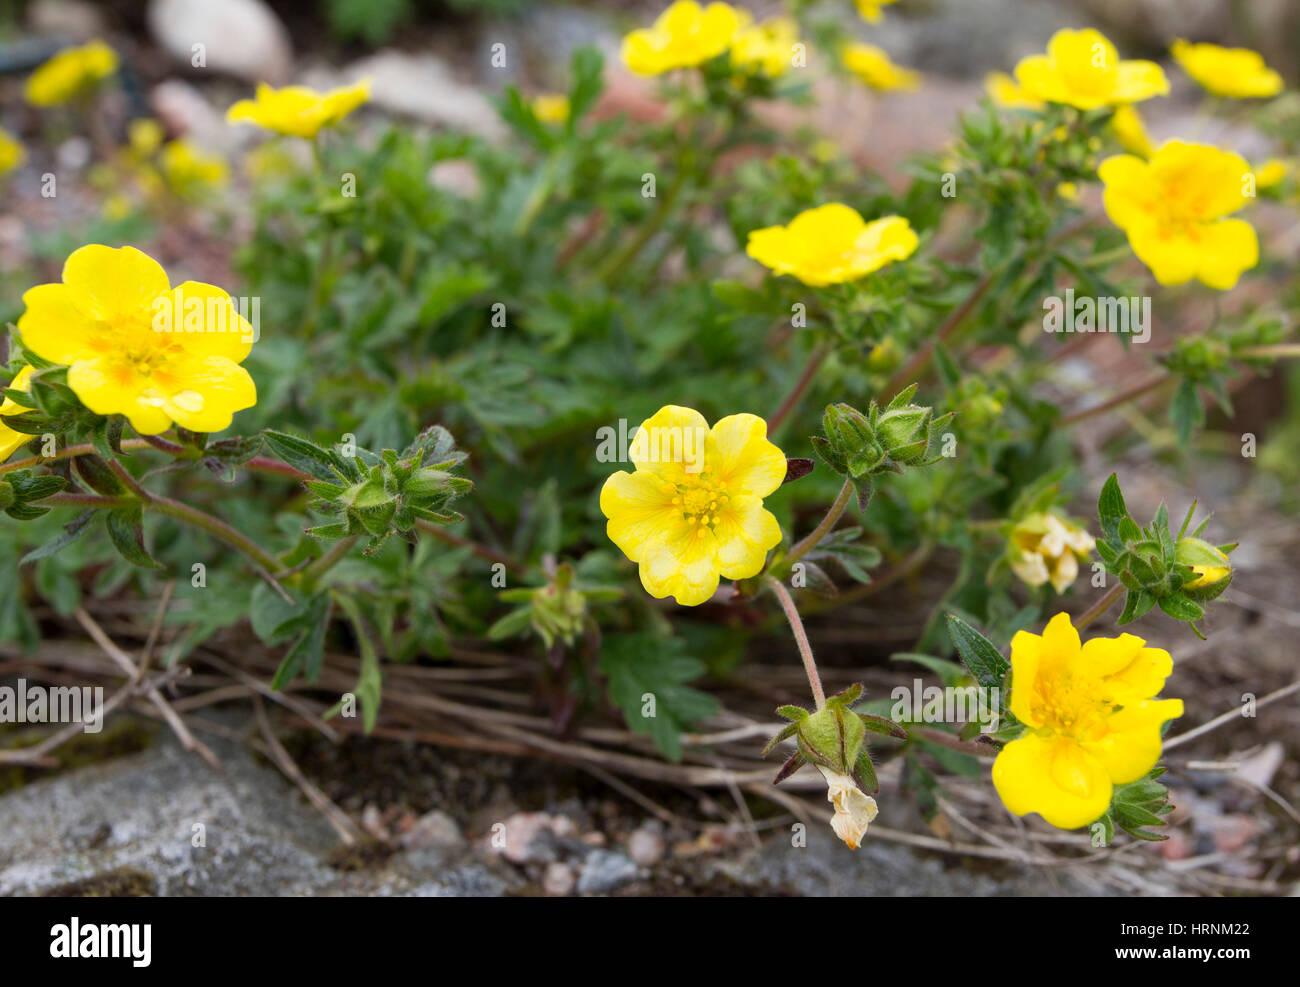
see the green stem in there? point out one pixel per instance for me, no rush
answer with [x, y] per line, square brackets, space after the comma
[85, 500]
[1136, 391]
[217, 528]
[312, 574]
[69, 452]
[800, 638]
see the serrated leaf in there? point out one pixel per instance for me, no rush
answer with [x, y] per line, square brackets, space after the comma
[978, 654]
[126, 529]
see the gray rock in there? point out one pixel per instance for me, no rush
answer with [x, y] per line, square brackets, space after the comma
[826, 868]
[74, 20]
[138, 814]
[646, 844]
[558, 879]
[530, 839]
[243, 38]
[604, 871]
[146, 811]
[422, 87]
[434, 829]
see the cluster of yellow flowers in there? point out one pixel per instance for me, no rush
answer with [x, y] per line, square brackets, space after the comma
[691, 512]
[71, 73]
[1174, 201]
[158, 169]
[687, 35]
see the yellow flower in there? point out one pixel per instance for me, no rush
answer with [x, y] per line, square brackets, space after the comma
[190, 171]
[693, 509]
[872, 66]
[70, 73]
[1237, 73]
[832, 244]
[1045, 548]
[766, 48]
[1002, 89]
[117, 207]
[1173, 207]
[1270, 173]
[9, 439]
[684, 35]
[145, 136]
[870, 9]
[1131, 132]
[1068, 191]
[1092, 721]
[137, 347]
[854, 808]
[1082, 69]
[551, 107]
[298, 111]
[11, 153]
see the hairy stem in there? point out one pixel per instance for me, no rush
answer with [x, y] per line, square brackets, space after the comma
[1098, 608]
[800, 639]
[822, 529]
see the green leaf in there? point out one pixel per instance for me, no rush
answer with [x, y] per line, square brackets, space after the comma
[1111, 509]
[71, 532]
[1181, 608]
[303, 454]
[126, 529]
[647, 676]
[370, 680]
[1187, 411]
[983, 660]
[273, 617]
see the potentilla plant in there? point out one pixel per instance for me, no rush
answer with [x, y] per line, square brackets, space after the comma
[841, 379]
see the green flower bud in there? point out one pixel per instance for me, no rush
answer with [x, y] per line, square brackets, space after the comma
[1212, 572]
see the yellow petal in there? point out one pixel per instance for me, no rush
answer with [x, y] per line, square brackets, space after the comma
[1139, 80]
[741, 456]
[206, 321]
[744, 534]
[1026, 658]
[1226, 249]
[683, 567]
[639, 511]
[111, 390]
[1132, 744]
[670, 443]
[57, 324]
[123, 282]
[1054, 777]
[202, 393]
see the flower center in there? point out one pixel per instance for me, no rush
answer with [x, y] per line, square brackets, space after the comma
[1071, 707]
[699, 497]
